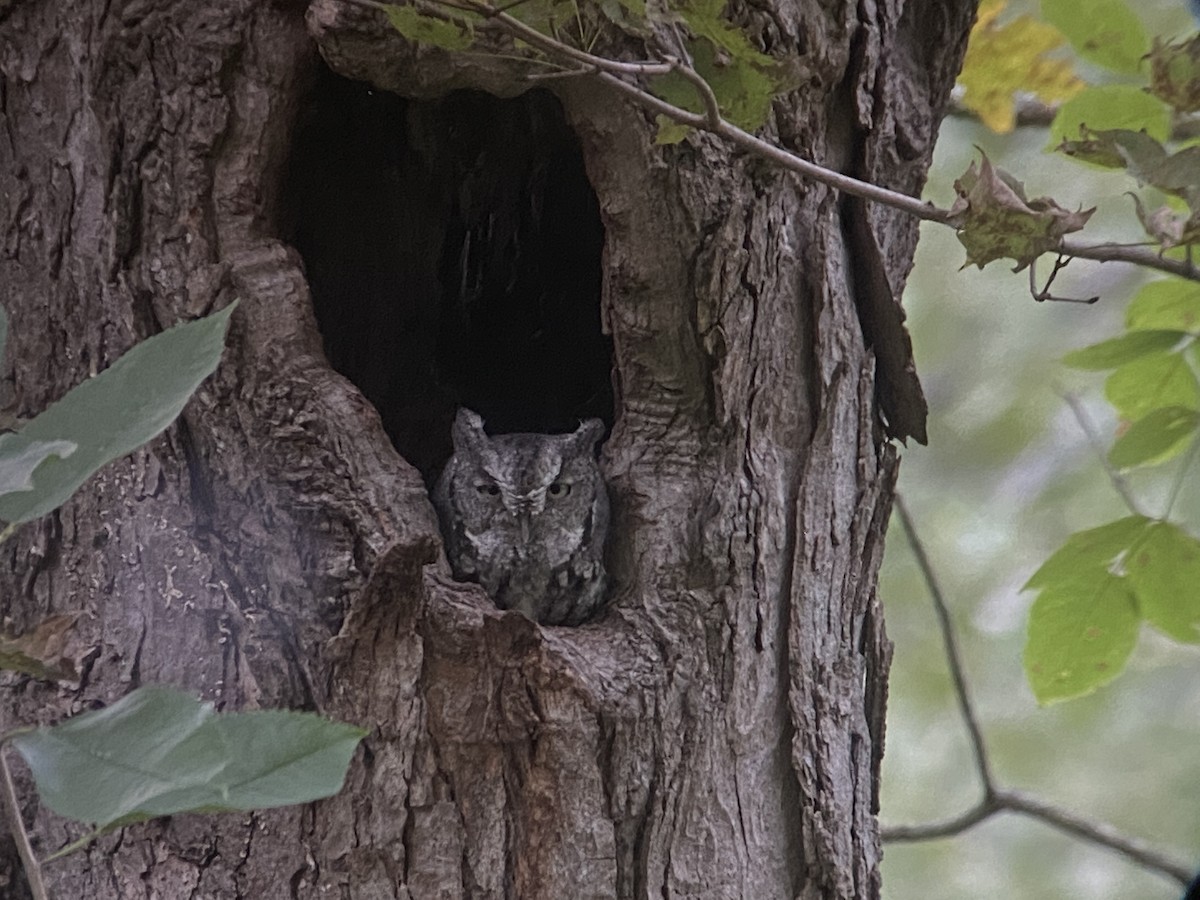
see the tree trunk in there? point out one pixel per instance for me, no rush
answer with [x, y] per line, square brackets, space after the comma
[717, 733]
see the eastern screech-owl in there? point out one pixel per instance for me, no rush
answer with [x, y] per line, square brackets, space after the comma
[526, 515]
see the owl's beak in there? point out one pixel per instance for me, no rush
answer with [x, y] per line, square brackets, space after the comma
[524, 522]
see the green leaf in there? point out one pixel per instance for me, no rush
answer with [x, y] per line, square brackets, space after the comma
[1170, 304]
[20, 456]
[1114, 106]
[706, 19]
[117, 411]
[670, 131]
[1116, 148]
[628, 15]
[1143, 157]
[1087, 552]
[1106, 32]
[1155, 438]
[743, 79]
[744, 84]
[1164, 572]
[1117, 351]
[1152, 382]
[1177, 174]
[1081, 633]
[158, 751]
[425, 29]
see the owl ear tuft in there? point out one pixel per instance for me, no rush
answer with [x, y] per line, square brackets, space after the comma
[587, 434]
[467, 431]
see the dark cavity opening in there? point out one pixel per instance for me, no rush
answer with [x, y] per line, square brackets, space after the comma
[453, 248]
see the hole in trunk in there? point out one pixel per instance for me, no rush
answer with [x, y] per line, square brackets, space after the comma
[453, 248]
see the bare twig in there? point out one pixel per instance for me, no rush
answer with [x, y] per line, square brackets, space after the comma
[1138, 256]
[12, 809]
[1136, 850]
[1120, 485]
[1096, 833]
[958, 674]
[1043, 294]
[980, 812]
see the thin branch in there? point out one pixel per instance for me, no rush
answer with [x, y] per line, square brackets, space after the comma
[1138, 256]
[712, 109]
[981, 812]
[1120, 485]
[996, 800]
[953, 659]
[12, 810]
[913, 206]
[1097, 833]
[608, 70]
[1136, 850]
[1043, 294]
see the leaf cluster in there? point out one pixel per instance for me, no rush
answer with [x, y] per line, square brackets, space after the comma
[741, 77]
[1119, 126]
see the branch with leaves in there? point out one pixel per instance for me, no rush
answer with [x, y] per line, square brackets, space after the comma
[992, 216]
[997, 799]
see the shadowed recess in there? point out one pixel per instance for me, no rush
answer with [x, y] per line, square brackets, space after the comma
[453, 248]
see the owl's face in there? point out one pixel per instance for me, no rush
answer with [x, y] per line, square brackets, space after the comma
[525, 495]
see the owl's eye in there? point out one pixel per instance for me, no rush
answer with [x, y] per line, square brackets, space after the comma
[559, 489]
[491, 490]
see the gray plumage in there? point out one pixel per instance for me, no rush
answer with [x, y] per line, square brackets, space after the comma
[526, 515]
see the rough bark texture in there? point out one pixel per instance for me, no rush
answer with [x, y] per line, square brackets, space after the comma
[718, 733]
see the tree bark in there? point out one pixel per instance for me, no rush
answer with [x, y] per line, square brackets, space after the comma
[717, 734]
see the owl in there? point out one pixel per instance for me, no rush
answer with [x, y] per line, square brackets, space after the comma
[526, 515]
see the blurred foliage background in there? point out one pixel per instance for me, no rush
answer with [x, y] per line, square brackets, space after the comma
[1007, 476]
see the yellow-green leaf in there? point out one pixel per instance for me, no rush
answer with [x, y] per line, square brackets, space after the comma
[1164, 572]
[1003, 59]
[1106, 32]
[1080, 635]
[706, 19]
[1167, 304]
[1152, 382]
[1085, 551]
[420, 28]
[1155, 438]
[1120, 350]
[1109, 107]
